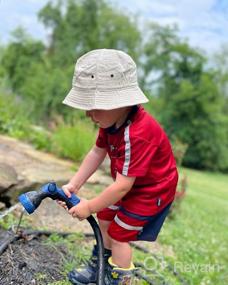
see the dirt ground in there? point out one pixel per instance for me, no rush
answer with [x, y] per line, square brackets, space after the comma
[30, 262]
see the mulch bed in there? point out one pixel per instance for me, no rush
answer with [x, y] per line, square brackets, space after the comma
[27, 260]
[31, 262]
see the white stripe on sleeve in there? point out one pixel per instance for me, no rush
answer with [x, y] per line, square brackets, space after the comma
[127, 150]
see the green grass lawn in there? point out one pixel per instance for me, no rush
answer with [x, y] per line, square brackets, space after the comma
[198, 233]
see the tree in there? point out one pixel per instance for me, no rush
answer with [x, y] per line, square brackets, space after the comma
[41, 74]
[18, 57]
[167, 60]
[44, 90]
[188, 99]
[2, 70]
[221, 63]
[78, 27]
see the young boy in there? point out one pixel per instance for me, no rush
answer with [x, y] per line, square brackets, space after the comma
[143, 168]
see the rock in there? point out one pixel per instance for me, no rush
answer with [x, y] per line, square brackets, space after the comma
[53, 217]
[8, 176]
[99, 178]
[105, 166]
[2, 206]
[23, 168]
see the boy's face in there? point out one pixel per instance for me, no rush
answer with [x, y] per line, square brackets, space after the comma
[107, 118]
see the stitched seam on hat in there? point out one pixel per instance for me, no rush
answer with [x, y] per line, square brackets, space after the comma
[96, 77]
[125, 78]
[126, 87]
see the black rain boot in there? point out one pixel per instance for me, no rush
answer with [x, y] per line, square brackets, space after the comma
[119, 276]
[88, 273]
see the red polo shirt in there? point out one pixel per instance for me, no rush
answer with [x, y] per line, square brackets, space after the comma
[141, 149]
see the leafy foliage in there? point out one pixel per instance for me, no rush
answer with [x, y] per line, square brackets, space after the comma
[188, 98]
[87, 25]
[12, 119]
[73, 141]
[19, 56]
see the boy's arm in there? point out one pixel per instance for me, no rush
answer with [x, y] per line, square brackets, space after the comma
[112, 193]
[88, 166]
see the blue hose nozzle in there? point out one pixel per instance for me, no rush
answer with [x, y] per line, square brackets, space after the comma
[31, 200]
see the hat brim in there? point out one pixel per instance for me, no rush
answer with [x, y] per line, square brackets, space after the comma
[91, 99]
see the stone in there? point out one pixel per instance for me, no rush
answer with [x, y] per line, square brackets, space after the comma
[24, 168]
[99, 178]
[2, 206]
[8, 176]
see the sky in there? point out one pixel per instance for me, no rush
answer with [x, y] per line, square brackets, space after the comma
[203, 22]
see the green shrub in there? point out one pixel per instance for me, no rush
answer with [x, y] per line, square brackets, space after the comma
[73, 142]
[68, 140]
[13, 120]
[40, 138]
[179, 150]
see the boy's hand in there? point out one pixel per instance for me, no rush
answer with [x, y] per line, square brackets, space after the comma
[81, 211]
[67, 189]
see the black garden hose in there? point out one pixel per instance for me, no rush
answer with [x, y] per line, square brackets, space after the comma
[100, 246]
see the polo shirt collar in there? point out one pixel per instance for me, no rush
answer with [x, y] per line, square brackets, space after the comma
[113, 130]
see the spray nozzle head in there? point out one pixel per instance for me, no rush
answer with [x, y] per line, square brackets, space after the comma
[29, 201]
[52, 187]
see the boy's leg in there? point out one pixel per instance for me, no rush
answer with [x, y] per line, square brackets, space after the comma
[121, 254]
[126, 227]
[104, 225]
[120, 269]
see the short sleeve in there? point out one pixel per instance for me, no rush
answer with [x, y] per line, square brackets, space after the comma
[137, 158]
[101, 139]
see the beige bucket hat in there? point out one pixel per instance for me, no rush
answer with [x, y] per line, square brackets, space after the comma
[105, 79]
